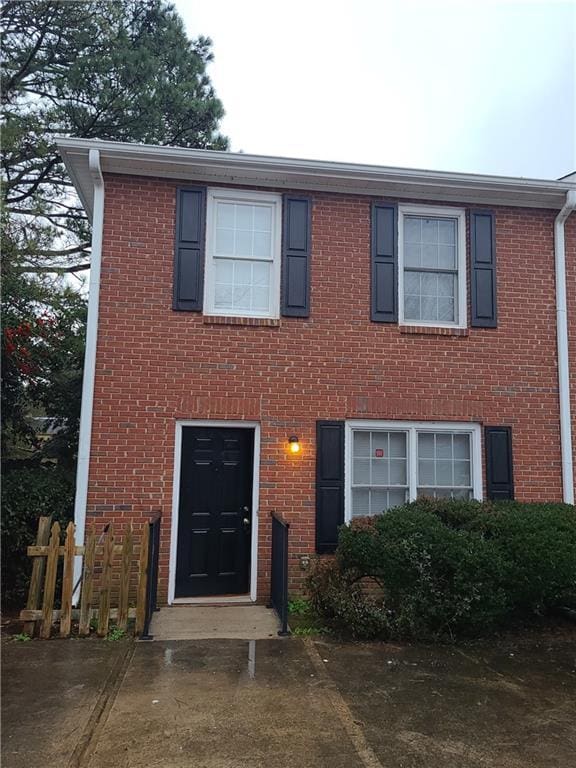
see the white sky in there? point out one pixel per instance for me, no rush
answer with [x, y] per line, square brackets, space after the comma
[486, 86]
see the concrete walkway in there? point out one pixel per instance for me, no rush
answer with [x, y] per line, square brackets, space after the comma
[287, 703]
[214, 622]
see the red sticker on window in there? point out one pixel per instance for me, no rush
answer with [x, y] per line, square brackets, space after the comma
[379, 452]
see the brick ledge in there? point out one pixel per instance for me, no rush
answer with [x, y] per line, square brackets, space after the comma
[427, 330]
[267, 322]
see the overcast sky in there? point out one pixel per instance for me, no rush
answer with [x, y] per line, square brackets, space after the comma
[483, 87]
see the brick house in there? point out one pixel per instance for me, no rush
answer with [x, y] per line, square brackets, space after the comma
[321, 339]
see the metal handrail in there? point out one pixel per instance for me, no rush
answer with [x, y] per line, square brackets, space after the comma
[279, 571]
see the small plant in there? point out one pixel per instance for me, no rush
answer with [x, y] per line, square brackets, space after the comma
[299, 606]
[23, 637]
[309, 631]
[115, 634]
[93, 624]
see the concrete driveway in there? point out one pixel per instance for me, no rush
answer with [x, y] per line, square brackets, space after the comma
[296, 703]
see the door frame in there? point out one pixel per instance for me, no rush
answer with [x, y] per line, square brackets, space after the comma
[232, 424]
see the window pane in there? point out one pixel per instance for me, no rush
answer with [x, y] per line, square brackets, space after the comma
[223, 296]
[380, 443]
[262, 244]
[360, 502]
[447, 231]
[241, 297]
[447, 285]
[396, 497]
[447, 256]
[443, 446]
[397, 444]
[426, 472]
[412, 308]
[380, 472]
[462, 473]
[426, 445]
[243, 272]
[224, 242]
[461, 446]
[244, 216]
[412, 254]
[361, 444]
[361, 472]
[243, 243]
[429, 309]
[444, 472]
[260, 299]
[429, 284]
[378, 502]
[446, 312]
[429, 230]
[225, 215]
[260, 274]
[412, 283]
[430, 256]
[262, 218]
[412, 229]
[224, 271]
[397, 471]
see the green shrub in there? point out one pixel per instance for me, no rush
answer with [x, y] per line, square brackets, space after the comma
[343, 604]
[28, 494]
[449, 568]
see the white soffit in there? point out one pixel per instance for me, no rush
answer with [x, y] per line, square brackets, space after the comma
[198, 165]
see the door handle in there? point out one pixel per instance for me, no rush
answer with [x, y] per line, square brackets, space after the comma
[246, 522]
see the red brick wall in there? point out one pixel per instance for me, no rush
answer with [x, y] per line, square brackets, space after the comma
[155, 365]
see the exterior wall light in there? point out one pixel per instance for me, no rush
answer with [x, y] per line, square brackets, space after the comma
[294, 444]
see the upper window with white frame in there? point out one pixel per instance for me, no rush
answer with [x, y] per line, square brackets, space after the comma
[243, 242]
[390, 463]
[432, 266]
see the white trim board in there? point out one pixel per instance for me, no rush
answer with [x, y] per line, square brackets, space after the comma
[176, 503]
[421, 426]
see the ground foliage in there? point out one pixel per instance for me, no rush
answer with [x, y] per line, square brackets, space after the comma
[448, 569]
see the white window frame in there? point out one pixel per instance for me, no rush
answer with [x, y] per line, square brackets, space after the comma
[437, 213]
[413, 428]
[242, 196]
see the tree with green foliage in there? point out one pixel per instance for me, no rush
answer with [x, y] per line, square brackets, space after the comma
[123, 70]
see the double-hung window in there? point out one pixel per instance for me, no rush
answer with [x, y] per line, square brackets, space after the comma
[432, 266]
[390, 463]
[242, 275]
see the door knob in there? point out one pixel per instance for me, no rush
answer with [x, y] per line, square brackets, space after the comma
[245, 509]
[246, 522]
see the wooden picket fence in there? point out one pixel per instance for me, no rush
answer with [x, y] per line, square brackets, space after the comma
[105, 562]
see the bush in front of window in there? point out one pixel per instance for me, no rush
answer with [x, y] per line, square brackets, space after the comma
[450, 568]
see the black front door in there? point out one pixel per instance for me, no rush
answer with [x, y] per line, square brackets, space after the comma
[215, 513]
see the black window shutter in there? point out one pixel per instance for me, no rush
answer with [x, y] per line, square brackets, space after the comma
[483, 269]
[384, 301]
[329, 484]
[499, 474]
[296, 250]
[189, 252]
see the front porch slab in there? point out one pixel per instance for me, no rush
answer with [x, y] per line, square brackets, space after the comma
[214, 622]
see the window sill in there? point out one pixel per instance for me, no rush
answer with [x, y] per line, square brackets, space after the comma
[428, 330]
[267, 322]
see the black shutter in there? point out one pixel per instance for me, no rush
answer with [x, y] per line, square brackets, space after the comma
[384, 302]
[499, 475]
[189, 255]
[329, 484]
[296, 247]
[483, 269]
